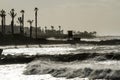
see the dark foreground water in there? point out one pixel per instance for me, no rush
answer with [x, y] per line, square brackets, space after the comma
[14, 71]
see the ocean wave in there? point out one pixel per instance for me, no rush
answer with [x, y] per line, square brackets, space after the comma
[89, 69]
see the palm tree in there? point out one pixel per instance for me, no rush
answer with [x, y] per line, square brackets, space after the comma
[94, 33]
[22, 11]
[4, 21]
[20, 22]
[52, 27]
[36, 10]
[3, 14]
[45, 29]
[30, 22]
[59, 29]
[12, 14]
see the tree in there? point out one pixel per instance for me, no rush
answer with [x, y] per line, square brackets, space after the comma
[36, 10]
[45, 29]
[94, 33]
[4, 21]
[85, 34]
[22, 11]
[30, 22]
[20, 22]
[52, 27]
[59, 29]
[2, 15]
[12, 14]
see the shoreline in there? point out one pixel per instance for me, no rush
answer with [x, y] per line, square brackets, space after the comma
[38, 42]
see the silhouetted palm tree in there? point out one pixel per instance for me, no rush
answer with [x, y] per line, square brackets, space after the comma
[52, 27]
[22, 11]
[45, 29]
[12, 14]
[4, 21]
[20, 22]
[2, 15]
[36, 9]
[59, 29]
[30, 22]
[94, 33]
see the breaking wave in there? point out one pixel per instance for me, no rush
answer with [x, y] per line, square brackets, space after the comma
[91, 70]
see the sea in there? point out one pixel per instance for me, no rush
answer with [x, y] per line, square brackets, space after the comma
[15, 71]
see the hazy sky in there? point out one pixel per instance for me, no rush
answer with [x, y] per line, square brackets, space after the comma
[102, 16]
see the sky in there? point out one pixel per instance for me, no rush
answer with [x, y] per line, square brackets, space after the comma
[102, 16]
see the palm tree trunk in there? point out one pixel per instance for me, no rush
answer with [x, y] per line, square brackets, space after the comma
[12, 26]
[36, 24]
[30, 31]
[20, 28]
[4, 24]
[23, 23]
